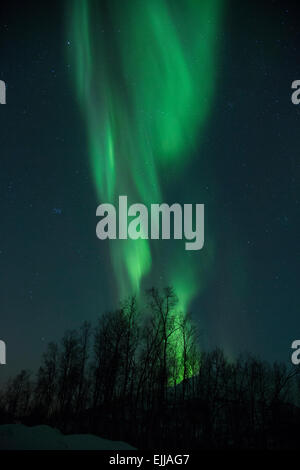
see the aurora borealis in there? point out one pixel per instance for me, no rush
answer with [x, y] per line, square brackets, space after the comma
[163, 104]
[143, 110]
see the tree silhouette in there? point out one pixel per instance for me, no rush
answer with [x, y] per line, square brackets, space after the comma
[140, 375]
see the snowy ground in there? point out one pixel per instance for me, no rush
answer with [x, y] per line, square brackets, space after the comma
[20, 437]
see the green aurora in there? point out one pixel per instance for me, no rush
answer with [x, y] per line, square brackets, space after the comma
[145, 75]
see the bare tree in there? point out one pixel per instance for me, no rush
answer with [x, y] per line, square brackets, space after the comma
[46, 386]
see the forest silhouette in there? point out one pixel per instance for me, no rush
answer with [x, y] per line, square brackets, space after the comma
[140, 375]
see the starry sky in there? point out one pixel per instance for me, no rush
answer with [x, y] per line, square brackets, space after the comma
[243, 165]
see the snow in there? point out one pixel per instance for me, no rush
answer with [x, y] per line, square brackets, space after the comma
[20, 437]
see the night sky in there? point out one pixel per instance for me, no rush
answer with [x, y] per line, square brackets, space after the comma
[243, 165]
